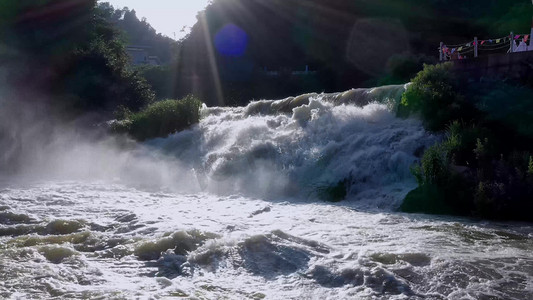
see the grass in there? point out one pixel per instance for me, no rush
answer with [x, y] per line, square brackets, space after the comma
[160, 119]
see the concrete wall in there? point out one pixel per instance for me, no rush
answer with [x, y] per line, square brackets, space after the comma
[138, 56]
[517, 65]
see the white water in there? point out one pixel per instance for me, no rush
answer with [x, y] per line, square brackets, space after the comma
[232, 209]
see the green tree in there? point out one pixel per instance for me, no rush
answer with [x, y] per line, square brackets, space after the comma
[71, 51]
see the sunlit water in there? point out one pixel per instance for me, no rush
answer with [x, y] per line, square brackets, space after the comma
[234, 209]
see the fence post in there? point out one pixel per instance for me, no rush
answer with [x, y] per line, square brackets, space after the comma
[475, 46]
[512, 42]
[441, 56]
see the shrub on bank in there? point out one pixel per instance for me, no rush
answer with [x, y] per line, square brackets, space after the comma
[472, 173]
[484, 166]
[160, 119]
[435, 95]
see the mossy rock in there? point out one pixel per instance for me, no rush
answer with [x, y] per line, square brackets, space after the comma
[427, 199]
[333, 193]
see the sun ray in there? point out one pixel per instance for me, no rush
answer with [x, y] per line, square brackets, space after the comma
[212, 60]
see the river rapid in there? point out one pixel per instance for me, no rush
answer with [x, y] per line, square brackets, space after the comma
[237, 208]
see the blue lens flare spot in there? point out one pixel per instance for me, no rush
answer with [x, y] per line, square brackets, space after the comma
[231, 40]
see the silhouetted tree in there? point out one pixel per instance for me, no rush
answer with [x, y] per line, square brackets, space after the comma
[69, 49]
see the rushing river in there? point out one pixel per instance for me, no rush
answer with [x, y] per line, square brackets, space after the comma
[234, 209]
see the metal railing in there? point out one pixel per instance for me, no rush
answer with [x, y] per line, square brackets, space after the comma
[504, 44]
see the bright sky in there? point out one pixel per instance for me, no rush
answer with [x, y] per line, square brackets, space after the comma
[165, 16]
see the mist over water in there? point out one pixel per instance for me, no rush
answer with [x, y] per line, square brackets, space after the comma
[39, 144]
[234, 208]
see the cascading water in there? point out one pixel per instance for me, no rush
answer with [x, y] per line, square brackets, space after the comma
[308, 146]
[239, 207]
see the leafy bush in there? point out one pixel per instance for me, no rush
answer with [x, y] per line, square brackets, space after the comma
[435, 95]
[442, 189]
[160, 119]
[435, 166]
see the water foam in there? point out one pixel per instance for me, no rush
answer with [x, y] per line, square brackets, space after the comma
[303, 145]
[132, 243]
[254, 232]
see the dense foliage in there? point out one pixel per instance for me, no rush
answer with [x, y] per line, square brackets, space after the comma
[160, 78]
[136, 33]
[436, 95]
[484, 166]
[160, 119]
[67, 51]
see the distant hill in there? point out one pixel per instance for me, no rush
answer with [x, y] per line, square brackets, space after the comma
[140, 32]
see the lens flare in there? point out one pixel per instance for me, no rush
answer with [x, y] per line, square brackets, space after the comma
[231, 40]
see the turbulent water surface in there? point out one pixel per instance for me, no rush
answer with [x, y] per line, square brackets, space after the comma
[235, 209]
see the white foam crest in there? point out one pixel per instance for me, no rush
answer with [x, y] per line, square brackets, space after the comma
[317, 145]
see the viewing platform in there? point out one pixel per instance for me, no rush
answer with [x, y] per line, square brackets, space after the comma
[508, 57]
[517, 65]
